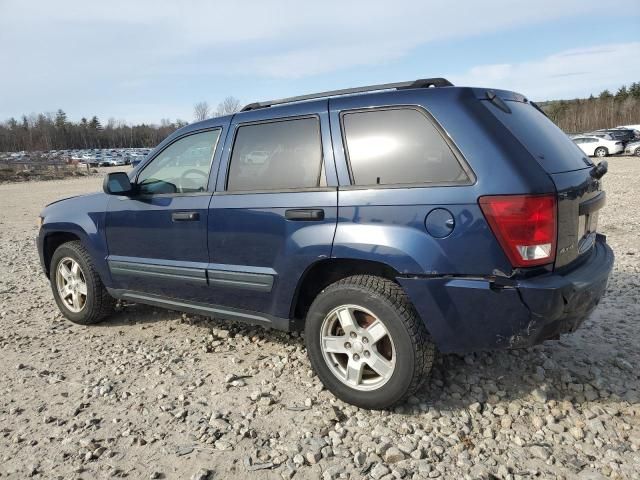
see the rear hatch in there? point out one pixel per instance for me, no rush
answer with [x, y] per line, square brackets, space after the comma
[580, 196]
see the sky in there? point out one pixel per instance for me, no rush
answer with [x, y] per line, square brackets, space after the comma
[144, 60]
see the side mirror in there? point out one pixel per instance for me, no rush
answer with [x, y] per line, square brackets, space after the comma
[117, 183]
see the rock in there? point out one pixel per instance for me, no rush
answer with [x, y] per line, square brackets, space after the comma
[539, 452]
[186, 450]
[503, 471]
[556, 428]
[590, 474]
[418, 454]
[539, 395]
[202, 474]
[313, 457]
[359, 459]
[398, 472]
[222, 445]
[393, 455]
[537, 422]
[332, 472]
[577, 433]
[253, 467]
[634, 440]
[255, 395]
[622, 364]
[379, 471]
[506, 422]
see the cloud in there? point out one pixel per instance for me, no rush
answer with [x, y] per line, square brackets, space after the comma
[591, 70]
[87, 55]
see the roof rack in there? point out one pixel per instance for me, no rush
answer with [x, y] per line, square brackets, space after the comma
[421, 83]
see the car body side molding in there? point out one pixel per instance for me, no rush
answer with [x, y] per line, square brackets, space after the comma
[216, 311]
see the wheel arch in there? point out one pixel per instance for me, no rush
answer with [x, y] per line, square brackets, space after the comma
[51, 242]
[323, 273]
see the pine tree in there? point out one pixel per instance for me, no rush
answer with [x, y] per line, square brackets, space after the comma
[61, 119]
[95, 124]
[622, 93]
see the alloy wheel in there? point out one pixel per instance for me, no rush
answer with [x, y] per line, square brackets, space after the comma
[71, 283]
[357, 347]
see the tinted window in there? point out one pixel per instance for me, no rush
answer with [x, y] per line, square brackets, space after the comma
[548, 144]
[276, 156]
[398, 146]
[182, 167]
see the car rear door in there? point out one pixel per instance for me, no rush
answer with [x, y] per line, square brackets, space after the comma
[274, 211]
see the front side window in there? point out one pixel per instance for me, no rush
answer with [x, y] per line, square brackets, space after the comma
[398, 146]
[277, 155]
[183, 167]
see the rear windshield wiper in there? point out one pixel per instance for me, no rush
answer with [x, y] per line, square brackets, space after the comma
[497, 101]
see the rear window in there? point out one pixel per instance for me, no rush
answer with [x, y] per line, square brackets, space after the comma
[398, 146]
[554, 151]
[280, 155]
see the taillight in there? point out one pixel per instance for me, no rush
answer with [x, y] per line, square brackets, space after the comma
[525, 226]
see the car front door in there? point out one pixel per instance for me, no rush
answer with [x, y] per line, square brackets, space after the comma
[274, 212]
[157, 237]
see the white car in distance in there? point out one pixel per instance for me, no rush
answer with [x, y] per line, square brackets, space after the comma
[598, 147]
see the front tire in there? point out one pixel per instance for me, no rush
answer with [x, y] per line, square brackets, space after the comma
[601, 152]
[77, 287]
[637, 152]
[367, 343]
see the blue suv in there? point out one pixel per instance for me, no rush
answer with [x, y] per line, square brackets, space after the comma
[387, 222]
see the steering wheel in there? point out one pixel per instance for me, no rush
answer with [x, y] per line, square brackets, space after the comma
[184, 180]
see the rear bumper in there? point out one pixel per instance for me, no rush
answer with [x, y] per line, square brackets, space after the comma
[465, 315]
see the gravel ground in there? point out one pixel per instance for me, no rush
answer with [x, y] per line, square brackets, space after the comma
[158, 394]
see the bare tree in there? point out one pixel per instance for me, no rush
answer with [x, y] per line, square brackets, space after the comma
[201, 111]
[228, 106]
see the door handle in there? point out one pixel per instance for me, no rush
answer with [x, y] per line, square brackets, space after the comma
[305, 214]
[185, 216]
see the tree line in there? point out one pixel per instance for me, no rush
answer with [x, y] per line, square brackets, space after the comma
[53, 131]
[604, 111]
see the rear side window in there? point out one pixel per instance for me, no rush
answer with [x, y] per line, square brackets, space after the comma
[398, 146]
[277, 155]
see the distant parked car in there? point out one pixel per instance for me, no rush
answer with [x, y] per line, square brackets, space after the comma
[625, 135]
[598, 147]
[604, 135]
[633, 148]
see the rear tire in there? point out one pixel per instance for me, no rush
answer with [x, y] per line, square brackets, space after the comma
[367, 343]
[77, 287]
[601, 152]
[637, 152]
